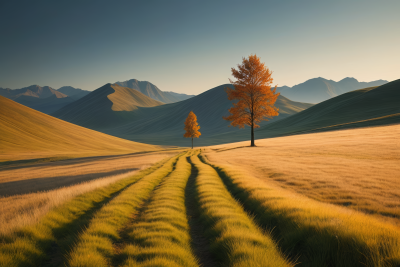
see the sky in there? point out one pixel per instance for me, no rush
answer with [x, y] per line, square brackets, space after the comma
[190, 46]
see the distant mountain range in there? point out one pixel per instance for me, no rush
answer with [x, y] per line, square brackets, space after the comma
[48, 100]
[152, 91]
[44, 99]
[319, 89]
[127, 113]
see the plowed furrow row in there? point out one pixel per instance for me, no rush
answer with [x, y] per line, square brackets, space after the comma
[316, 233]
[95, 245]
[161, 235]
[46, 243]
[235, 239]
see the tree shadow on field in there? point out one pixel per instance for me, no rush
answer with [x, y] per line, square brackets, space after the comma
[63, 161]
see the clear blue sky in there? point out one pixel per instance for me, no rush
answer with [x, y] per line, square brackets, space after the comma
[190, 46]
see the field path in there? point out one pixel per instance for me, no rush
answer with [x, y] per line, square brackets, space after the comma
[235, 239]
[314, 233]
[200, 244]
[96, 246]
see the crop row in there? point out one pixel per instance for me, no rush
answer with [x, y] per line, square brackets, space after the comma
[234, 238]
[161, 235]
[143, 221]
[35, 245]
[95, 245]
[315, 233]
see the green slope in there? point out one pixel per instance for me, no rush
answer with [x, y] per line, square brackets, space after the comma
[105, 107]
[371, 106]
[164, 124]
[153, 91]
[26, 133]
[46, 105]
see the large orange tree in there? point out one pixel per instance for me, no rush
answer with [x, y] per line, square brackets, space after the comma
[191, 127]
[254, 96]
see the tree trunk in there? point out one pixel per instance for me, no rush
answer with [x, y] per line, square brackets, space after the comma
[192, 142]
[252, 135]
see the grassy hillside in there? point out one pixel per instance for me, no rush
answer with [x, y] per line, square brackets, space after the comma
[153, 91]
[360, 108]
[46, 105]
[26, 133]
[97, 110]
[127, 99]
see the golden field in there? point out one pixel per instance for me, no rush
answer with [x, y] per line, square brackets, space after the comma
[27, 134]
[358, 169]
[28, 193]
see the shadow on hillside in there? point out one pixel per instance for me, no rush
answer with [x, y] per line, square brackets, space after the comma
[62, 161]
[232, 148]
[50, 183]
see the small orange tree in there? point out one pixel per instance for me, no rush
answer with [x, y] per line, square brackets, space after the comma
[191, 127]
[253, 91]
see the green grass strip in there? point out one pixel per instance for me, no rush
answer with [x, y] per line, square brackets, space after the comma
[161, 236]
[95, 246]
[316, 233]
[32, 245]
[235, 239]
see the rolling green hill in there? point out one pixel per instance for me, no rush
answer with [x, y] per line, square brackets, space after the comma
[160, 124]
[164, 124]
[105, 107]
[371, 106]
[153, 91]
[26, 133]
[46, 105]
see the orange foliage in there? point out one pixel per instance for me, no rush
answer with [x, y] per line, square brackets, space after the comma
[253, 91]
[191, 127]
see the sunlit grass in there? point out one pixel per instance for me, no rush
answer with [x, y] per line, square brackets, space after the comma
[235, 240]
[161, 236]
[357, 168]
[23, 210]
[320, 234]
[30, 245]
[95, 245]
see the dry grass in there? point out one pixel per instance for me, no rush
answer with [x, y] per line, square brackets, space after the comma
[57, 232]
[235, 240]
[26, 133]
[95, 246]
[318, 234]
[22, 210]
[26, 209]
[356, 168]
[51, 175]
[161, 235]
